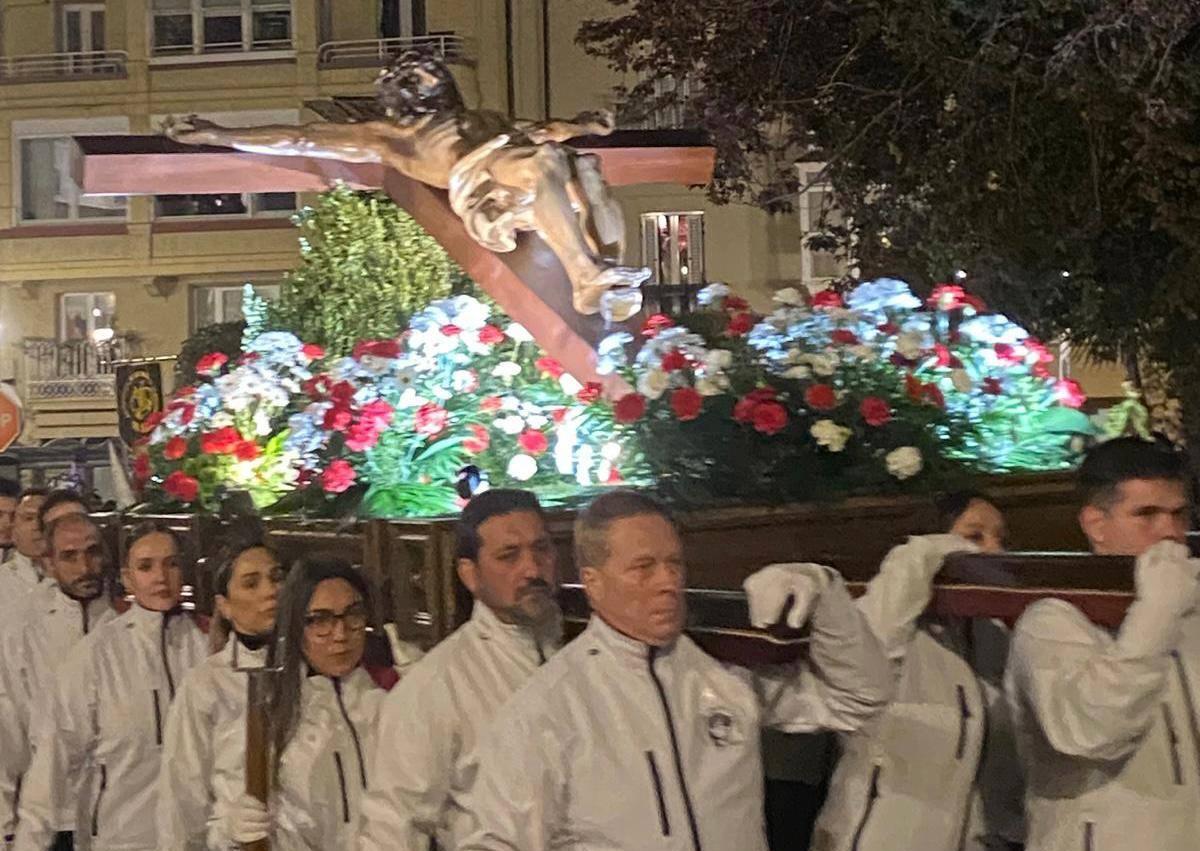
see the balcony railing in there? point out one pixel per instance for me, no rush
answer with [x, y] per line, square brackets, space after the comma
[63, 66]
[46, 360]
[377, 52]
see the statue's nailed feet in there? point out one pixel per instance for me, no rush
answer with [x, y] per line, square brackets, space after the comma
[613, 293]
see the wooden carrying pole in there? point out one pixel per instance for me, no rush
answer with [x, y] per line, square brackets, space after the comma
[258, 745]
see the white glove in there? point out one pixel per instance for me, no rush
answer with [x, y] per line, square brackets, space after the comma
[247, 819]
[921, 556]
[768, 590]
[1166, 581]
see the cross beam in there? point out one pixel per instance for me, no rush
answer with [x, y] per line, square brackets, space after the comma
[529, 283]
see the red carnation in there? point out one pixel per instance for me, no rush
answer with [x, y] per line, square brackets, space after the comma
[614, 477]
[844, 337]
[629, 408]
[888, 328]
[211, 363]
[931, 394]
[315, 387]
[490, 335]
[342, 392]
[1039, 370]
[175, 448]
[947, 297]
[430, 419]
[533, 441]
[378, 412]
[820, 397]
[770, 418]
[675, 360]
[549, 366]
[875, 411]
[1007, 353]
[590, 393]
[1039, 350]
[827, 299]
[686, 403]
[945, 357]
[338, 476]
[479, 440]
[992, 386]
[912, 386]
[451, 330]
[182, 486]
[153, 421]
[377, 348]
[246, 450]
[735, 304]
[900, 360]
[743, 409]
[490, 403]
[312, 351]
[654, 324]
[1068, 392]
[337, 418]
[739, 324]
[141, 467]
[220, 442]
[186, 412]
[362, 435]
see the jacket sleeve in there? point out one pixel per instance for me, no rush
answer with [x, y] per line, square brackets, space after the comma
[14, 743]
[895, 598]
[1089, 698]
[185, 780]
[411, 778]
[62, 736]
[517, 801]
[844, 681]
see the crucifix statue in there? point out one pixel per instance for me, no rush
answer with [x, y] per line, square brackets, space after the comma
[502, 176]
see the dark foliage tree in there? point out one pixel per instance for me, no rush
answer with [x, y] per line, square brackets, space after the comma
[1049, 147]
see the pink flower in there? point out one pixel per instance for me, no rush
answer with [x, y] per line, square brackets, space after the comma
[1068, 392]
[338, 476]
[431, 419]
[654, 324]
[533, 441]
[451, 330]
[549, 366]
[312, 351]
[182, 486]
[211, 363]
[378, 412]
[362, 435]
[479, 440]
[490, 335]
[590, 392]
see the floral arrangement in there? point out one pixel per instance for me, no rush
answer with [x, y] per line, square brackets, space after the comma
[392, 425]
[826, 395]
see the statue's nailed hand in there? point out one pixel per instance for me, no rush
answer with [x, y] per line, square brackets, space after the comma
[190, 128]
[600, 122]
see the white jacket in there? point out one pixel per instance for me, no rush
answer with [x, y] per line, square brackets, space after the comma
[617, 746]
[430, 723]
[937, 770]
[324, 772]
[18, 576]
[203, 753]
[31, 649]
[1110, 740]
[105, 722]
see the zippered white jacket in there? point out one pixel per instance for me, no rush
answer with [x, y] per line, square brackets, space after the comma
[937, 770]
[18, 576]
[618, 746]
[431, 721]
[31, 649]
[105, 723]
[1110, 740]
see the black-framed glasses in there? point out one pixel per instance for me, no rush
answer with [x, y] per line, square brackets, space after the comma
[322, 621]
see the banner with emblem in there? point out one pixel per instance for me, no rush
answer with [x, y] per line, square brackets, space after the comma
[139, 394]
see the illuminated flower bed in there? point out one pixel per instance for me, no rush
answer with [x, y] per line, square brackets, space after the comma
[819, 398]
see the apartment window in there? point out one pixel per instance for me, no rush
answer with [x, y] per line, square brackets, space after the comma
[223, 303]
[83, 28]
[181, 27]
[82, 315]
[817, 214]
[673, 250]
[49, 192]
[246, 204]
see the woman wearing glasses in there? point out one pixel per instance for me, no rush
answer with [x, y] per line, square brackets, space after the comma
[203, 754]
[106, 710]
[324, 708]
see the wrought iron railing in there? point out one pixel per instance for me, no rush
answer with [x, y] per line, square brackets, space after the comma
[379, 51]
[44, 359]
[63, 66]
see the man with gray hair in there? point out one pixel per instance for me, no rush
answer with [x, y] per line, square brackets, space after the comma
[632, 737]
[55, 616]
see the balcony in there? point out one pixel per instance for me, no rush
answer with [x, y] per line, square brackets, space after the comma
[378, 52]
[46, 67]
[69, 388]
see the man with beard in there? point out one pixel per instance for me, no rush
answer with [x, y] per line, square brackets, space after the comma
[431, 720]
[55, 616]
[10, 492]
[634, 738]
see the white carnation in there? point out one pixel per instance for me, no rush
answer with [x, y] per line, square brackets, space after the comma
[799, 372]
[507, 370]
[908, 345]
[904, 463]
[821, 364]
[652, 383]
[569, 384]
[518, 333]
[522, 467]
[829, 434]
[789, 296]
[960, 380]
[511, 424]
[712, 385]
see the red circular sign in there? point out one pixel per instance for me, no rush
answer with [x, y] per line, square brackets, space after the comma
[10, 416]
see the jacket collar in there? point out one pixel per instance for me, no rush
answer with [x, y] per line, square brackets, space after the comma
[522, 639]
[147, 621]
[53, 600]
[625, 649]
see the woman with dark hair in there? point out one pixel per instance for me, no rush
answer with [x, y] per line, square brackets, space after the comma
[938, 769]
[324, 708]
[106, 711]
[203, 756]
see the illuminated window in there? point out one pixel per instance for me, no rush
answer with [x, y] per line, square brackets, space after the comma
[673, 250]
[246, 204]
[223, 303]
[82, 314]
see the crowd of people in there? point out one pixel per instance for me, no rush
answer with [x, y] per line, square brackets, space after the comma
[123, 722]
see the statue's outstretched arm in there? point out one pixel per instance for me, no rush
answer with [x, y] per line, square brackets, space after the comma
[358, 143]
[594, 123]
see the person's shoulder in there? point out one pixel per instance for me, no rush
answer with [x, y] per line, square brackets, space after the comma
[561, 678]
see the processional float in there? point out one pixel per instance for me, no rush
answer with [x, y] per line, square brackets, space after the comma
[524, 208]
